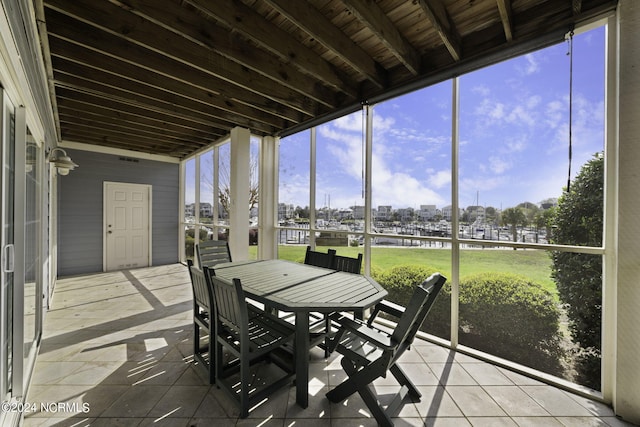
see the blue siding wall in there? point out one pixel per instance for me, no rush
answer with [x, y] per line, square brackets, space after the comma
[80, 210]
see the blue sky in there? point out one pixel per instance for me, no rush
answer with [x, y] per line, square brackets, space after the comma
[514, 127]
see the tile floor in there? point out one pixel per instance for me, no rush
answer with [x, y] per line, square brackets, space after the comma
[116, 351]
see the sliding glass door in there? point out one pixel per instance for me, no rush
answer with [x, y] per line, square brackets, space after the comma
[7, 125]
[21, 251]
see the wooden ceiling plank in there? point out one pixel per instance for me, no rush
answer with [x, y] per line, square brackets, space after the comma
[72, 75]
[199, 88]
[310, 20]
[176, 51]
[144, 70]
[289, 52]
[437, 14]
[194, 27]
[140, 137]
[141, 140]
[118, 110]
[577, 7]
[370, 14]
[99, 98]
[72, 109]
[126, 144]
[82, 118]
[506, 16]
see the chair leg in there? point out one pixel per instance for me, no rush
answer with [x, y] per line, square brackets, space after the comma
[196, 339]
[327, 331]
[402, 378]
[244, 386]
[360, 381]
[356, 379]
[370, 399]
[212, 358]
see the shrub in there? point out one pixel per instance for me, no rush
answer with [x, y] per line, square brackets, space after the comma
[400, 282]
[579, 221]
[501, 314]
[511, 317]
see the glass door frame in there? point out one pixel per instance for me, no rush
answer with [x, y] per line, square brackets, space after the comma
[17, 362]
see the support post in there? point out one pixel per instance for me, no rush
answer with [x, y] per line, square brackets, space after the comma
[240, 184]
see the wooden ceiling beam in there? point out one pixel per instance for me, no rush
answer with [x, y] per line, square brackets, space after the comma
[76, 75]
[244, 20]
[577, 7]
[314, 23]
[506, 16]
[83, 118]
[160, 50]
[442, 23]
[145, 137]
[369, 14]
[75, 112]
[101, 96]
[199, 87]
[118, 110]
[115, 141]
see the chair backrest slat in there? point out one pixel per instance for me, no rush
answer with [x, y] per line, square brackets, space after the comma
[320, 259]
[348, 264]
[201, 292]
[212, 252]
[416, 311]
[230, 302]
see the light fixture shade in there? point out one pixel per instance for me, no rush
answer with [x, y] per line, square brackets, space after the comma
[63, 162]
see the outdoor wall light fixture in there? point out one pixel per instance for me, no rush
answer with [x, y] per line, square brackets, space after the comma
[62, 162]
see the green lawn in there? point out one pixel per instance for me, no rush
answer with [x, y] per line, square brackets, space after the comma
[533, 264]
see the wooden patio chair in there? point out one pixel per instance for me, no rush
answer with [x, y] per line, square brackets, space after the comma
[212, 252]
[319, 259]
[319, 323]
[348, 264]
[368, 353]
[249, 337]
[203, 312]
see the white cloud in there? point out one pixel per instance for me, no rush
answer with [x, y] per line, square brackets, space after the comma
[440, 179]
[498, 165]
[392, 182]
[532, 66]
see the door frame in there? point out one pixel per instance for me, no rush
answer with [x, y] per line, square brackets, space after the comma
[149, 189]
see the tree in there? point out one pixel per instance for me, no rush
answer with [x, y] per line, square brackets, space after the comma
[530, 210]
[490, 214]
[579, 221]
[224, 194]
[513, 217]
[302, 212]
[224, 178]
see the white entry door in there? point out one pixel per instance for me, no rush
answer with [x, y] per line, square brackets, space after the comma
[127, 225]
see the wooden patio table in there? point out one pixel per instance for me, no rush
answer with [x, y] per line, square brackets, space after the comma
[301, 289]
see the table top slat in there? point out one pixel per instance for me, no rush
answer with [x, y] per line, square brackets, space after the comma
[292, 286]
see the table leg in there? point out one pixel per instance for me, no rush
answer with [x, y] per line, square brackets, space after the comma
[302, 358]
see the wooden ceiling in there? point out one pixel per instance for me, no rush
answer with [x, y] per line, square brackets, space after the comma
[171, 76]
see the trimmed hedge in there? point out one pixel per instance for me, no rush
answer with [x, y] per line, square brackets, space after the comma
[501, 314]
[511, 317]
[400, 282]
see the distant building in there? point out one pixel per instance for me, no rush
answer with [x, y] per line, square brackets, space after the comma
[384, 213]
[427, 212]
[406, 214]
[476, 213]
[285, 211]
[358, 212]
[206, 210]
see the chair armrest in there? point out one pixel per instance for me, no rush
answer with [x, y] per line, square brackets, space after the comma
[362, 330]
[388, 307]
